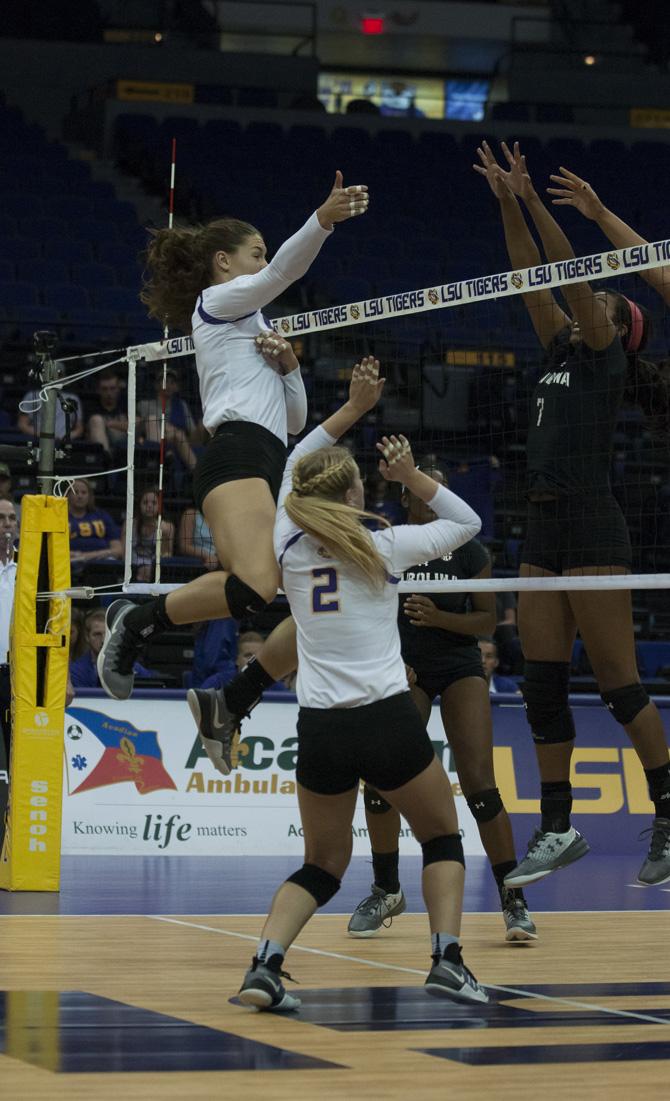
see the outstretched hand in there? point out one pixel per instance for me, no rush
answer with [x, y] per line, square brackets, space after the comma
[397, 464]
[573, 191]
[490, 168]
[365, 388]
[343, 202]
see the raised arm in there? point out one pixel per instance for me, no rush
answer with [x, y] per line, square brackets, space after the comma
[547, 316]
[573, 191]
[365, 390]
[245, 294]
[457, 523]
[596, 329]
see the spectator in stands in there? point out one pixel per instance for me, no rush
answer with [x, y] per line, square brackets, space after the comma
[248, 645]
[379, 500]
[214, 649]
[179, 423]
[83, 670]
[144, 537]
[490, 661]
[77, 636]
[194, 539]
[28, 420]
[6, 490]
[108, 422]
[94, 536]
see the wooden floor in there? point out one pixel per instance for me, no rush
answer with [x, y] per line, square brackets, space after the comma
[187, 968]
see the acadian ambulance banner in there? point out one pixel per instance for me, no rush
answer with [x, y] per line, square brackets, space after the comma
[137, 781]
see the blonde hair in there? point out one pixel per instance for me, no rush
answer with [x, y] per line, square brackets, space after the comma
[316, 505]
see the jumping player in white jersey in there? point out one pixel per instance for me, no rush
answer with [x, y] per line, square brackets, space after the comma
[214, 281]
[357, 720]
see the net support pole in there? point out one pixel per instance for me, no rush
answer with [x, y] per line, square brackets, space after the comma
[130, 462]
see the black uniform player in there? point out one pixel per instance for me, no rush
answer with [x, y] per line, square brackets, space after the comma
[439, 645]
[576, 527]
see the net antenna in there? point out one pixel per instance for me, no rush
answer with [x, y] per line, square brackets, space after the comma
[161, 445]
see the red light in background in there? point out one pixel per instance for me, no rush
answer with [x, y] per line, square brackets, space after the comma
[372, 24]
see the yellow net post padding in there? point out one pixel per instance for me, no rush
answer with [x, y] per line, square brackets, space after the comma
[30, 859]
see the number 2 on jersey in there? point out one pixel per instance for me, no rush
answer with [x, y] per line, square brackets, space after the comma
[540, 411]
[323, 598]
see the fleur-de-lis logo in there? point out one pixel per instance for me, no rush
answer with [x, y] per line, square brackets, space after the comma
[613, 261]
[286, 326]
[517, 279]
[355, 312]
[433, 297]
[128, 756]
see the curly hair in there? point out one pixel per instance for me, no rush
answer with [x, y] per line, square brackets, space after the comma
[316, 504]
[178, 266]
[647, 385]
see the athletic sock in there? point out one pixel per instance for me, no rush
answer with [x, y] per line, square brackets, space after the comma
[385, 867]
[245, 690]
[442, 941]
[556, 804]
[269, 948]
[658, 780]
[499, 872]
[149, 619]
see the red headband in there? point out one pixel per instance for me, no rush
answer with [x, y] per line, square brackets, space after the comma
[636, 326]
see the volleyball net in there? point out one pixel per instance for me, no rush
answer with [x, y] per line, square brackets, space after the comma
[461, 361]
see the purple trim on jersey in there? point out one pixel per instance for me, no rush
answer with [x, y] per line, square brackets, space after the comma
[393, 580]
[217, 320]
[292, 540]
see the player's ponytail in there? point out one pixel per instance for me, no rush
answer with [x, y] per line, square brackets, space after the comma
[316, 504]
[178, 266]
[647, 385]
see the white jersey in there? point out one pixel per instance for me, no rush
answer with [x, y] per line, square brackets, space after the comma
[348, 642]
[236, 384]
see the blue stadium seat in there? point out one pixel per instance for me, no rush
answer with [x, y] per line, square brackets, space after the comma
[349, 289]
[18, 248]
[42, 272]
[68, 251]
[510, 112]
[94, 230]
[30, 318]
[129, 275]
[120, 300]
[7, 271]
[8, 226]
[70, 207]
[18, 295]
[94, 275]
[42, 228]
[570, 152]
[17, 206]
[66, 298]
[554, 112]
[100, 192]
[116, 253]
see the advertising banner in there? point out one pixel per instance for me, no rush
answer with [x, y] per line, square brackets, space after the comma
[137, 781]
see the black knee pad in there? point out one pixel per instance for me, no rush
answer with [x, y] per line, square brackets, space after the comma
[322, 886]
[545, 695]
[448, 847]
[625, 703]
[242, 600]
[485, 805]
[374, 802]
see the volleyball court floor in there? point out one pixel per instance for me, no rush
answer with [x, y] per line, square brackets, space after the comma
[126, 980]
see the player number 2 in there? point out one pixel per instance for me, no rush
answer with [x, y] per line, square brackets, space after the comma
[540, 410]
[323, 599]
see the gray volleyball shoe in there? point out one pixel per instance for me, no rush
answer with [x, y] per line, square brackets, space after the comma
[450, 978]
[547, 852]
[218, 728]
[656, 868]
[119, 651]
[519, 926]
[262, 987]
[375, 911]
